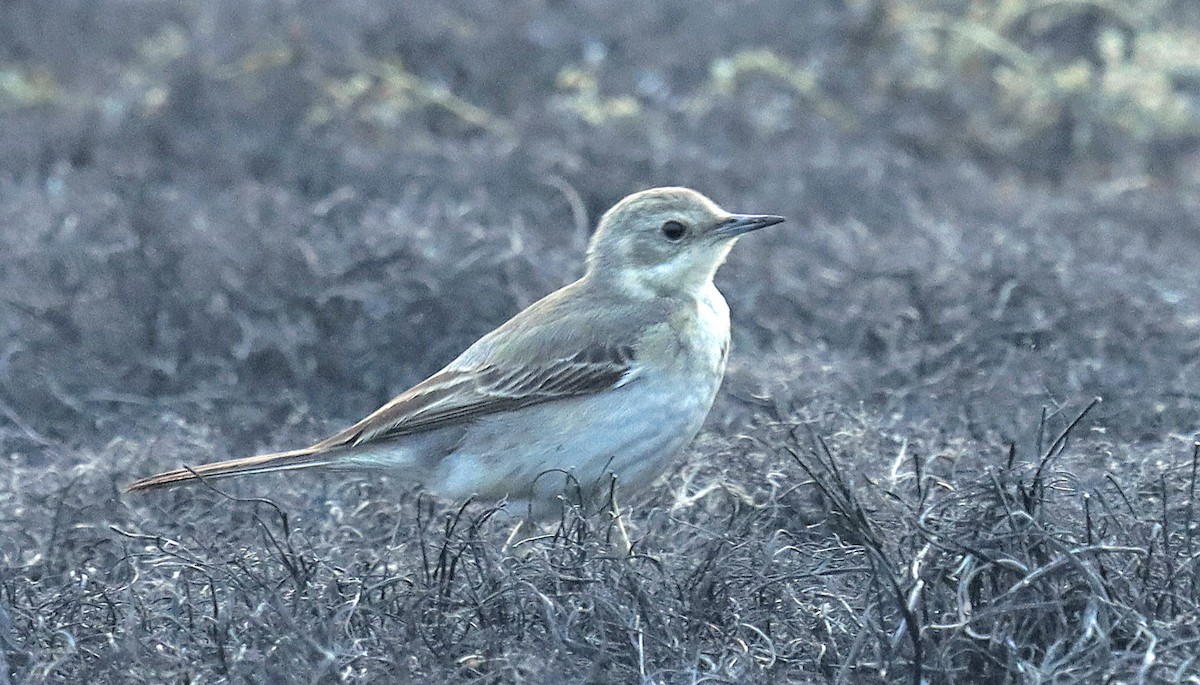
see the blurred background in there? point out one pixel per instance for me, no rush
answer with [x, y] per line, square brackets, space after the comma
[231, 226]
[231, 209]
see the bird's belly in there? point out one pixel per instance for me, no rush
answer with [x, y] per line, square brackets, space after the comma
[632, 432]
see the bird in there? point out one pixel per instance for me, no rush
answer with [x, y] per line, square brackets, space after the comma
[603, 381]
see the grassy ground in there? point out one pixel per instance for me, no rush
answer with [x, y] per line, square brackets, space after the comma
[957, 438]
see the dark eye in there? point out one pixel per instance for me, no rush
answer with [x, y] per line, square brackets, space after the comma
[673, 230]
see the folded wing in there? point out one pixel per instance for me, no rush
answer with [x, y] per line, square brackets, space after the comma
[455, 395]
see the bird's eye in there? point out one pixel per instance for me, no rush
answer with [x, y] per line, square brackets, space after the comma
[673, 230]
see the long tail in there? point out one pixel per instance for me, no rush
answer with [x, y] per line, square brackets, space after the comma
[306, 458]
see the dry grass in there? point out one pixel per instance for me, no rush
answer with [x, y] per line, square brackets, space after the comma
[229, 229]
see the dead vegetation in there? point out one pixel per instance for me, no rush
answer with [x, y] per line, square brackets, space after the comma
[230, 229]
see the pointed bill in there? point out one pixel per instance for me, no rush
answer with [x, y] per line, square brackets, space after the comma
[738, 224]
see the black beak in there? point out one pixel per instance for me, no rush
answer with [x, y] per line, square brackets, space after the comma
[738, 224]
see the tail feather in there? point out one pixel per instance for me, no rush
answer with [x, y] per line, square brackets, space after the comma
[263, 463]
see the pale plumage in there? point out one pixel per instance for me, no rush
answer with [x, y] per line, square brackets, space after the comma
[612, 374]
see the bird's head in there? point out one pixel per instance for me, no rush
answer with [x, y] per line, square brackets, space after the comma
[666, 241]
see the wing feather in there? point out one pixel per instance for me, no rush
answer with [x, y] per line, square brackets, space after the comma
[456, 395]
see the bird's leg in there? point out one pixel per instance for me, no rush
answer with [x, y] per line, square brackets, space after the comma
[622, 545]
[520, 533]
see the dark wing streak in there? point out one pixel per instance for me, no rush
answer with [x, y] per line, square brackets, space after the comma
[451, 397]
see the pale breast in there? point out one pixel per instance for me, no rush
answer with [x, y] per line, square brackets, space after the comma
[712, 321]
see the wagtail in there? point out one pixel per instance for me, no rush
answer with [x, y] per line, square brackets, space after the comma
[607, 378]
